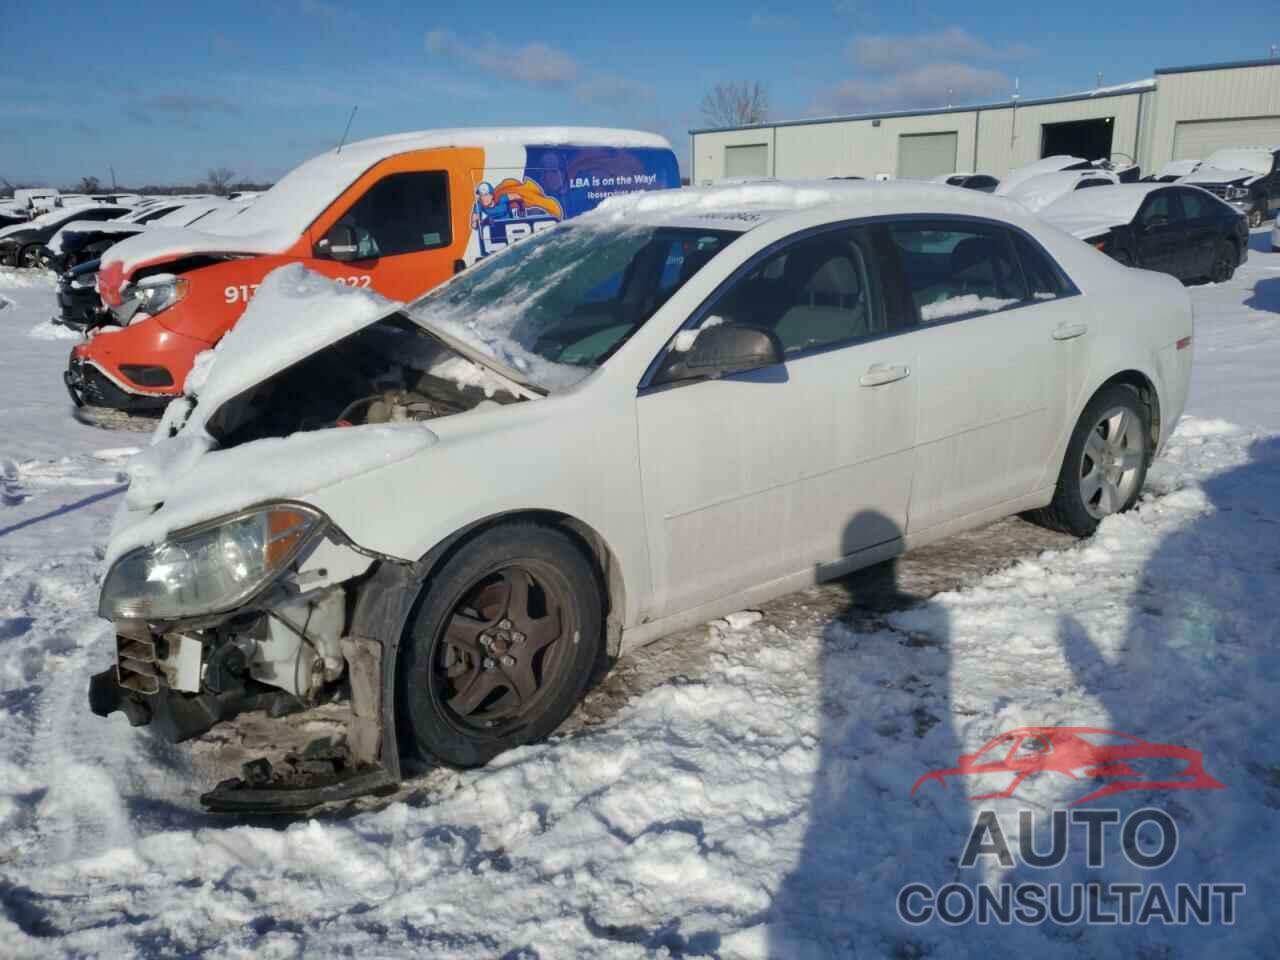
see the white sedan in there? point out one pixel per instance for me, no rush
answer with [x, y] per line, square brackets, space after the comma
[446, 514]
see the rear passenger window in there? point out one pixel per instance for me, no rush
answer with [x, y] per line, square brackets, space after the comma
[816, 292]
[402, 213]
[1045, 279]
[1196, 205]
[958, 270]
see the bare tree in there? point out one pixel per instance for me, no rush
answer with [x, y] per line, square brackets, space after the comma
[88, 185]
[736, 104]
[220, 179]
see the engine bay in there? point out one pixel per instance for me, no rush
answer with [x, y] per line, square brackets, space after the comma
[392, 371]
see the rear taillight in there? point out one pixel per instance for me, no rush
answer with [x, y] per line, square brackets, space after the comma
[1100, 244]
[1183, 343]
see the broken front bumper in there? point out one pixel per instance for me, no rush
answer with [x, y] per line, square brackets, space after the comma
[142, 685]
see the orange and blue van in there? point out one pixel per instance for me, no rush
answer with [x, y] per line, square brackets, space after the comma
[397, 214]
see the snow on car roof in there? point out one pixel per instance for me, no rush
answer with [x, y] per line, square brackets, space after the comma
[303, 194]
[743, 206]
[1035, 169]
[279, 216]
[1043, 189]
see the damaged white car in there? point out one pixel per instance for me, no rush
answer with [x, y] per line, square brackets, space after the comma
[442, 517]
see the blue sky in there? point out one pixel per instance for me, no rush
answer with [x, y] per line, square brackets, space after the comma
[164, 91]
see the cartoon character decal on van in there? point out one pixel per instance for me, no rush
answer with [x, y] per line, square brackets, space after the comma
[511, 211]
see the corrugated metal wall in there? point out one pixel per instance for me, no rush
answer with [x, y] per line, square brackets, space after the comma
[1239, 92]
[995, 140]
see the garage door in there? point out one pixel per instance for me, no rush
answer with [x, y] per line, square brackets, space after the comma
[1196, 139]
[925, 155]
[748, 160]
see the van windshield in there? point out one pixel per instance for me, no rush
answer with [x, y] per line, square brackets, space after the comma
[554, 307]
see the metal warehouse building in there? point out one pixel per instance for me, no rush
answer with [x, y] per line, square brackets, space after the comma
[1181, 113]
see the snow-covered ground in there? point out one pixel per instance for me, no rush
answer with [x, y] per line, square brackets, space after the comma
[746, 794]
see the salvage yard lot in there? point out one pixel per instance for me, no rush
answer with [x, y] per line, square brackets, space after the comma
[742, 790]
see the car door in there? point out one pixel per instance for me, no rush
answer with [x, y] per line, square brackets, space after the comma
[994, 362]
[1160, 231]
[1203, 231]
[759, 475]
[410, 217]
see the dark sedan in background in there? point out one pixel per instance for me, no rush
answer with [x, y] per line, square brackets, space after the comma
[23, 245]
[1179, 230]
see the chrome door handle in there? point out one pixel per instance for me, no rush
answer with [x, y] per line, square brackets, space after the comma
[879, 374]
[1069, 331]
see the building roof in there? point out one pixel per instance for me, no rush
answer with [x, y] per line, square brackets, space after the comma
[1121, 90]
[1226, 65]
[1124, 89]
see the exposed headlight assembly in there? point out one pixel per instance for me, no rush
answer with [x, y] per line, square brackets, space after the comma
[1237, 193]
[211, 568]
[158, 293]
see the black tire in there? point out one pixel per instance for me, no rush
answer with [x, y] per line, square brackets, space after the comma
[1225, 261]
[30, 256]
[460, 702]
[1070, 511]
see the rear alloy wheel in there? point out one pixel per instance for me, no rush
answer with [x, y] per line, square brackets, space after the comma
[502, 646]
[30, 256]
[1105, 465]
[1224, 262]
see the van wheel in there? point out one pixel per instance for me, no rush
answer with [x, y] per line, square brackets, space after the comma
[1105, 465]
[502, 645]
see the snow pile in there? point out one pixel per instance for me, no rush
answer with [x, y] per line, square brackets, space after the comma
[961, 305]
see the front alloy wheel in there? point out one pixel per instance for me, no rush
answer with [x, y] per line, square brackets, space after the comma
[1255, 218]
[30, 257]
[503, 643]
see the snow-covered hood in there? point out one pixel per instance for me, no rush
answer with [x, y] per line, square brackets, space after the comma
[184, 479]
[171, 243]
[1218, 175]
[1083, 226]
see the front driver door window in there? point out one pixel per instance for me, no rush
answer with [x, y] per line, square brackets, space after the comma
[402, 213]
[774, 472]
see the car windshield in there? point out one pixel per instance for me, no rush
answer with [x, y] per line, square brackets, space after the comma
[554, 307]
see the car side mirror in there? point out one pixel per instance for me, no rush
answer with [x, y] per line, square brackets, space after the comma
[339, 244]
[720, 351]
